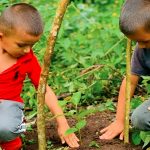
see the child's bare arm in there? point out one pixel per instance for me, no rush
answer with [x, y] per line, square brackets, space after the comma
[52, 102]
[117, 127]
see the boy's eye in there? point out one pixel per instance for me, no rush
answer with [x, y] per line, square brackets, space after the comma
[21, 45]
[146, 42]
[24, 45]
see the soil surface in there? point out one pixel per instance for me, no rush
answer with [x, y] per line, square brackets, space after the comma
[89, 134]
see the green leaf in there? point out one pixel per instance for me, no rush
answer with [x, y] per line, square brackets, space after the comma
[62, 103]
[94, 144]
[31, 115]
[66, 43]
[71, 112]
[71, 130]
[146, 141]
[85, 113]
[136, 138]
[136, 102]
[101, 107]
[110, 105]
[76, 98]
[81, 124]
[97, 87]
[144, 134]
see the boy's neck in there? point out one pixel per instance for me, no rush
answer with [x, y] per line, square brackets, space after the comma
[6, 60]
[2, 51]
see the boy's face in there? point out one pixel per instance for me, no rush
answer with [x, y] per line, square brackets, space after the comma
[17, 43]
[142, 37]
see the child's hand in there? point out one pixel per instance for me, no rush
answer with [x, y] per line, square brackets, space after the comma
[114, 129]
[70, 139]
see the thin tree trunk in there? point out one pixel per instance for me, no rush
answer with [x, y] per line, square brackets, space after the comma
[128, 90]
[45, 70]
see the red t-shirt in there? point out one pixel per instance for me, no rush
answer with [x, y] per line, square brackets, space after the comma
[11, 80]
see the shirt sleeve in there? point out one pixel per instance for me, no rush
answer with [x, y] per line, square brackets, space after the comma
[35, 71]
[138, 66]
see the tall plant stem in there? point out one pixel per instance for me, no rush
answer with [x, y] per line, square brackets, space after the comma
[45, 70]
[128, 90]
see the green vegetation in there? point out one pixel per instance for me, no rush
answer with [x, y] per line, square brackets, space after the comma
[89, 55]
[89, 58]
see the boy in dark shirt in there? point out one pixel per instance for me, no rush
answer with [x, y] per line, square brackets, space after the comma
[20, 28]
[135, 24]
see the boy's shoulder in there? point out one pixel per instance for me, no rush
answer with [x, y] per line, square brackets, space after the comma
[141, 55]
[140, 51]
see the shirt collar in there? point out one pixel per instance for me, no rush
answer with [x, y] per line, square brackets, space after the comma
[25, 57]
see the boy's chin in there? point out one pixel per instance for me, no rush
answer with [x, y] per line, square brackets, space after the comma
[4, 51]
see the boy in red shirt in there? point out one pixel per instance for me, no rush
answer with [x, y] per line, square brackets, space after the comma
[20, 28]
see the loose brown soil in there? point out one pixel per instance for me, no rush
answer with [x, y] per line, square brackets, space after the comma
[90, 133]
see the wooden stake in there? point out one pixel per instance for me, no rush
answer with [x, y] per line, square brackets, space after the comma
[128, 90]
[45, 70]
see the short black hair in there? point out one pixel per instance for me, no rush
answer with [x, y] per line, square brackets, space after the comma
[135, 14]
[21, 15]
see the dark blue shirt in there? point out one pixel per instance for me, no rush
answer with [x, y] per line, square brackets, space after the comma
[140, 62]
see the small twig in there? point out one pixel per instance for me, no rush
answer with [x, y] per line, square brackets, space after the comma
[109, 50]
[28, 124]
[94, 68]
[64, 95]
[89, 70]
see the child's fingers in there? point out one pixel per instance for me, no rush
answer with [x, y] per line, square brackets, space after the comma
[62, 139]
[107, 135]
[74, 141]
[71, 141]
[110, 136]
[121, 136]
[76, 138]
[104, 130]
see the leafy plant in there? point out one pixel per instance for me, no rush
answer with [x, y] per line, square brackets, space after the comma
[94, 144]
[79, 125]
[25, 141]
[108, 105]
[75, 99]
[145, 136]
[136, 101]
[139, 137]
[78, 115]
[49, 145]
[136, 139]
[146, 84]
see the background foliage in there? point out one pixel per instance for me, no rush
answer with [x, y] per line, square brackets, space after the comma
[89, 55]
[89, 37]
[89, 58]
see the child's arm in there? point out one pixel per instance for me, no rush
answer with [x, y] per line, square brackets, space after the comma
[52, 103]
[117, 127]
